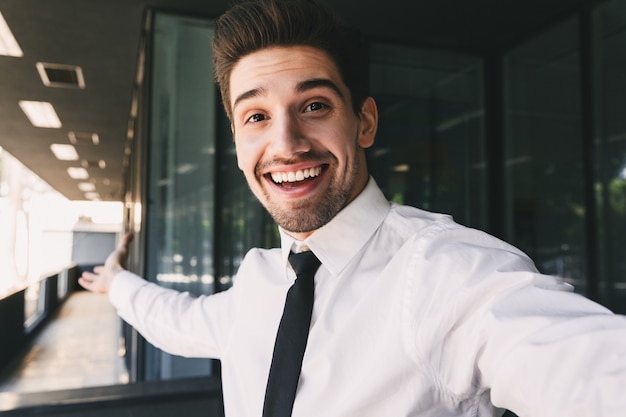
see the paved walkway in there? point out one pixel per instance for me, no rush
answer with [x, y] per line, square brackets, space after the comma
[79, 348]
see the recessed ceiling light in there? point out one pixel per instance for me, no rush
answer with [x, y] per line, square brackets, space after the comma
[86, 186]
[80, 138]
[40, 113]
[92, 196]
[8, 43]
[64, 152]
[61, 75]
[78, 173]
[92, 164]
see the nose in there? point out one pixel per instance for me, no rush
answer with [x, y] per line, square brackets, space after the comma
[288, 137]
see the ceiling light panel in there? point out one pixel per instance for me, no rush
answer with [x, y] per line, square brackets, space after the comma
[64, 152]
[40, 114]
[61, 75]
[8, 43]
[86, 187]
[78, 173]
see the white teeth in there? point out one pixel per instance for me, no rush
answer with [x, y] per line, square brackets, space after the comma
[293, 176]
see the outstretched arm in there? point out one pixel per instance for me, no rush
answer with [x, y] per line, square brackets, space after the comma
[100, 279]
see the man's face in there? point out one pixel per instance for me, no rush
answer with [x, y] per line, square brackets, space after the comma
[299, 143]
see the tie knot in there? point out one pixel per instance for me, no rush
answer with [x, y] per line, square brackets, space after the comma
[304, 262]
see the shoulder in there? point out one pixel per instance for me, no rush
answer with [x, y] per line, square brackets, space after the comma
[260, 255]
[411, 220]
[437, 236]
[258, 261]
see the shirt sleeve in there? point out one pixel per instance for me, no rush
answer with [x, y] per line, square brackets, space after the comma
[178, 323]
[567, 356]
[492, 323]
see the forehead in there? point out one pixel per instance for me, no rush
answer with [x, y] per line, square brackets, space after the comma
[281, 67]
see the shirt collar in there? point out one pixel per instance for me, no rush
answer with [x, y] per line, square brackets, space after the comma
[337, 242]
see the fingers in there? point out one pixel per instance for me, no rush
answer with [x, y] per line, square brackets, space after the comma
[125, 241]
[100, 279]
[89, 282]
[95, 282]
[84, 281]
[120, 255]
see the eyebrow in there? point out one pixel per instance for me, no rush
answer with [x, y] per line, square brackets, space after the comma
[318, 82]
[255, 92]
[300, 87]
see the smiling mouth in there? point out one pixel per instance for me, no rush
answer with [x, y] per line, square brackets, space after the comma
[290, 177]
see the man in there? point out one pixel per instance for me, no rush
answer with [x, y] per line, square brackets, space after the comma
[414, 315]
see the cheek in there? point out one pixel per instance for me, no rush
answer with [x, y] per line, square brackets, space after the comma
[242, 156]
[344, 143]
[248, 156]
[337, 137]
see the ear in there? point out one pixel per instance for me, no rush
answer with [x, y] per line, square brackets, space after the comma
[368, 123]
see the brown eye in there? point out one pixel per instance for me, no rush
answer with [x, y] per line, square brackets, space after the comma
[255, 118]
[316, 106]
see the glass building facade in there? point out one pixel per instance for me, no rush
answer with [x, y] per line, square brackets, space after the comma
[545, 170]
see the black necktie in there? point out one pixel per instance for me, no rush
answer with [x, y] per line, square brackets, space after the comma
[291, 338]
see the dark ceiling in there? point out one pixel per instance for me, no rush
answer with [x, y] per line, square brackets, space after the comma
[102, 37]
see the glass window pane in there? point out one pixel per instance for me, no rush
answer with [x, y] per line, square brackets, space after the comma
[244, 223]
[545, 206]
[179, 248]
[611, 150]
[429, 149]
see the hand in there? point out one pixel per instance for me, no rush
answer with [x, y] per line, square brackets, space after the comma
[100, 279]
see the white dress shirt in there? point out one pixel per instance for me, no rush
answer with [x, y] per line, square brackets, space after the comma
[414, 315]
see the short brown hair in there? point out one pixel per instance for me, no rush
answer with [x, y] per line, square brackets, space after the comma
[254, 25]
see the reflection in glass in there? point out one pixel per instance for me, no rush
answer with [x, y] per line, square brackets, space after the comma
[545, 204]
[610, 150]
[244, 223]
[181, 194]
[429, 149]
